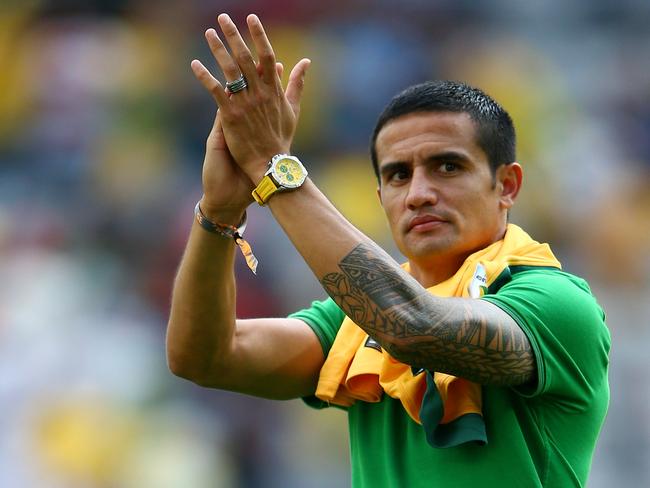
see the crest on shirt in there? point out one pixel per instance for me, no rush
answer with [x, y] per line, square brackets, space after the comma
[478, 285]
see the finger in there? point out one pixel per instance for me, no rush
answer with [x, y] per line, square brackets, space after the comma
[265, 53]
[209, 82]
[279, 68]
[218, 140]
[240, 52]
[297, 83]
[217, 122]
[222, 56]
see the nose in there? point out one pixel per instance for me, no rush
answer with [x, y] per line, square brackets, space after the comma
[421, 190]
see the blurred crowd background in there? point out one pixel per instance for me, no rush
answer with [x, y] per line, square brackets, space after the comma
[102, 131]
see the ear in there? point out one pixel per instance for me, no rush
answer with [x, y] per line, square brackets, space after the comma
[508, 180]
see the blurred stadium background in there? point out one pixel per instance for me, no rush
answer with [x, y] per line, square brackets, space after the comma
[102, 128]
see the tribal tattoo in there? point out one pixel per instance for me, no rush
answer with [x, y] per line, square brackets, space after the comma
[464, 337]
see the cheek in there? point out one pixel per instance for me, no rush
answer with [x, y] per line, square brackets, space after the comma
[390, 205]
[474, 206]
[393, 214]
[483, 212]
[392, 217]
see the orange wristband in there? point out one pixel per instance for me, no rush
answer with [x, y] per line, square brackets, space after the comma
[231, 232]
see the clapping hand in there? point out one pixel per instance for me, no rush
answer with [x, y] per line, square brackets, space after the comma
[257, 118]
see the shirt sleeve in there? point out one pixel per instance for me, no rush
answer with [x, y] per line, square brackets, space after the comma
[567, 331]
[325, 318]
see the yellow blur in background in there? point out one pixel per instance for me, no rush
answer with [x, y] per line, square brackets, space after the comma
[102, 131]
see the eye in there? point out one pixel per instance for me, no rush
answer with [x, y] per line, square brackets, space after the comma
[400, 174]
[449, 167]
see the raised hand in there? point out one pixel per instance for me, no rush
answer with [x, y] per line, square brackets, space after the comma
[226, 188]
[260, 120]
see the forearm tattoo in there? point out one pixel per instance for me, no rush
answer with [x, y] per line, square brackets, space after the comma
[458, 336]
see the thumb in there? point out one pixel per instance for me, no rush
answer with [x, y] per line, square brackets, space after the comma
[297, 83]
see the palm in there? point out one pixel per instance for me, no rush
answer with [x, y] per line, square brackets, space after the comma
[223, 180]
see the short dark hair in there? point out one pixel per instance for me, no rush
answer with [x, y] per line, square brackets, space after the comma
[494, 128]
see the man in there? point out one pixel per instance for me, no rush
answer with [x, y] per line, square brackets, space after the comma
[441, 388]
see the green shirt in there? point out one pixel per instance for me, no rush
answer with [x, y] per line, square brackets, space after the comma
[541, 435]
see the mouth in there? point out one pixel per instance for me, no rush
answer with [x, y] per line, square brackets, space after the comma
[424, 223]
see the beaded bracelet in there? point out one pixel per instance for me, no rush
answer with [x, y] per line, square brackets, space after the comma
[231, 232]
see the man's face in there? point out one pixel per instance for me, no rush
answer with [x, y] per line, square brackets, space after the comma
[437, 189]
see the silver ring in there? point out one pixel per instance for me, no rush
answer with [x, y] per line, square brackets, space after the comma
[236, 86]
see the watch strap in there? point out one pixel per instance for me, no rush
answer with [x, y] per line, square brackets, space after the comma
[264, 190]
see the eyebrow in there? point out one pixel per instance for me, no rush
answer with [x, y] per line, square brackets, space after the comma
[443, 157]
[391, 167]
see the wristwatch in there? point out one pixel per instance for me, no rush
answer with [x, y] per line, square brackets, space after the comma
[285, 173]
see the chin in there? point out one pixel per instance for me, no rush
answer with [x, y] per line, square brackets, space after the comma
[424, 247]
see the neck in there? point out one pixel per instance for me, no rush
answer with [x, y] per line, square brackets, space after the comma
[432, 272]
[438, 268]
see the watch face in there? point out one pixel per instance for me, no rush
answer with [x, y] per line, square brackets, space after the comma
[289, 173]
